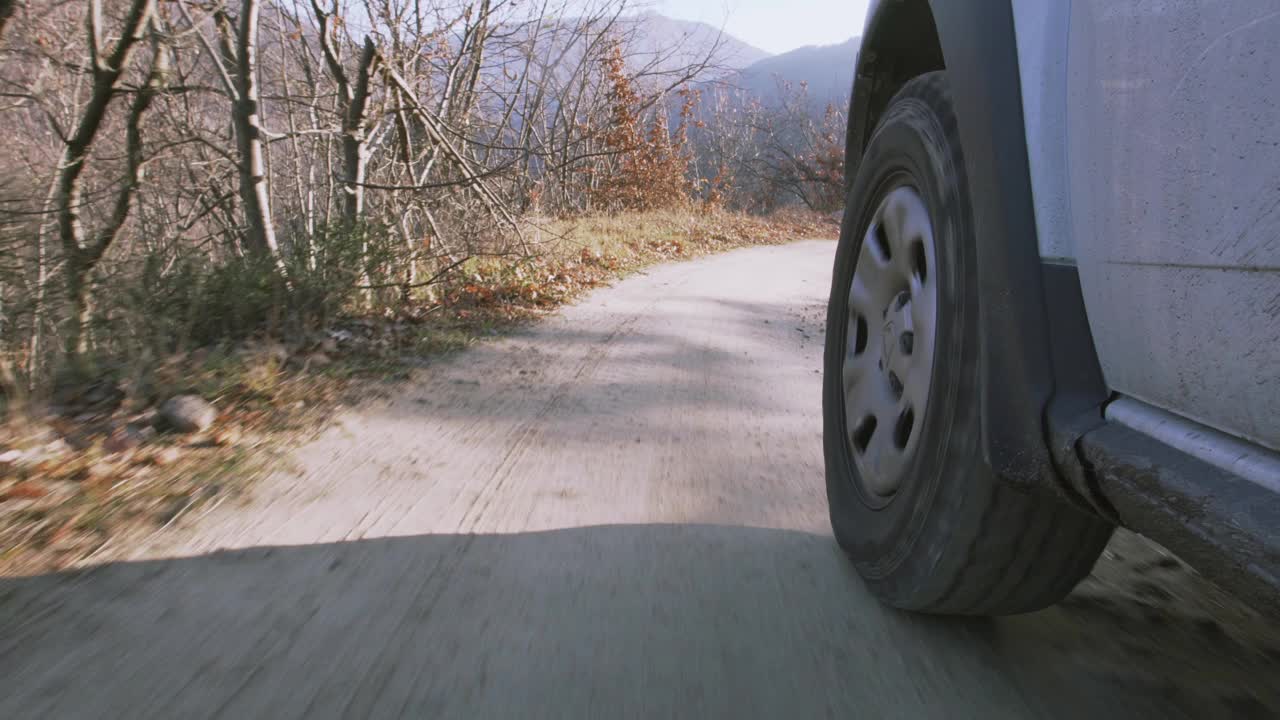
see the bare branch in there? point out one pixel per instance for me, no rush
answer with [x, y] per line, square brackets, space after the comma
[223, 75]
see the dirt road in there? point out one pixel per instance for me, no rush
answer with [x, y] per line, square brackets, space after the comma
[618, 512]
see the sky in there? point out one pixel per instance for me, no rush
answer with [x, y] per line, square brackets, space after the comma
[774, 25]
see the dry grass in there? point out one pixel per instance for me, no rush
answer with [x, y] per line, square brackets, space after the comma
[691, 231]
[100, 478]
[578, 254]
[75, 492]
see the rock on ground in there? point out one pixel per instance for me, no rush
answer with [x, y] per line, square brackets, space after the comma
[187, 413]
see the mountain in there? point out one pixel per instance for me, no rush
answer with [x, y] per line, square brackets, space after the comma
[827, 69]
[673, 43]
[658, 49]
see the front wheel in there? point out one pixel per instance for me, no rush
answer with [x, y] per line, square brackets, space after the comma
[927, 524]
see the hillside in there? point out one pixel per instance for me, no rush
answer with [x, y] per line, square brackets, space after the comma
[828, 70]
[672, 43]
[658, 49]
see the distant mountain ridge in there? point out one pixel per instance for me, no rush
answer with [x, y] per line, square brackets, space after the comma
[827, 71]
[689, 41]
[661, 46]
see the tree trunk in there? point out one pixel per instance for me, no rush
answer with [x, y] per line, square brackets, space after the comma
[355, 135]
[14, 399]
[255, 192]
[76, 341]
[353, 101]
[6, 12]
[108, 73]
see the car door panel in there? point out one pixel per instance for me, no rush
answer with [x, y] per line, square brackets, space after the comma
[1173, 148]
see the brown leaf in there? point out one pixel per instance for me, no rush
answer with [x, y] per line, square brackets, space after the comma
[29, 490]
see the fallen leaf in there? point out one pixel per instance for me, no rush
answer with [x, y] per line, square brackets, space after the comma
[29, 490]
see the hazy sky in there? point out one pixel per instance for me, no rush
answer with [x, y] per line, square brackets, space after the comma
[775, 25]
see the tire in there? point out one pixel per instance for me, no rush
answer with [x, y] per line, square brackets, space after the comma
[949, 537]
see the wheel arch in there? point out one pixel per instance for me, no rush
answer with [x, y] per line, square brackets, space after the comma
[900, 42]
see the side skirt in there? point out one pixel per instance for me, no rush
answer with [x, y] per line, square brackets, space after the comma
[1208, 497]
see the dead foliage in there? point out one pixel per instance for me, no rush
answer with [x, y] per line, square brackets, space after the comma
[94, 472]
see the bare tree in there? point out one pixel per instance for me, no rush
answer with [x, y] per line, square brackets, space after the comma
[254, 130]
[782, 153]
[82, 251]
[353, 103]
[246, 115]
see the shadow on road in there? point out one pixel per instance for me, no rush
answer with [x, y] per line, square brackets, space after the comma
[642, 620]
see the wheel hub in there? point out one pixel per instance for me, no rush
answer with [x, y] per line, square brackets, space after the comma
[888, 364]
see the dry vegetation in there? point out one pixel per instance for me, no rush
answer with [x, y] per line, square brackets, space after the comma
[271, 204]
[98, 476]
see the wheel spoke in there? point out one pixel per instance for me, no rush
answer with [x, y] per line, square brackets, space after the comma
[862, 299]
[876, 462]
[894, 216]
[855, 371]
[868, 394]
[911, 226]
[872, 285]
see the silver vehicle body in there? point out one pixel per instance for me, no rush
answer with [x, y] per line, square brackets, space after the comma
[1153, 141]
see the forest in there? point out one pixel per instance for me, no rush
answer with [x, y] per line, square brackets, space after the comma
[178, 174]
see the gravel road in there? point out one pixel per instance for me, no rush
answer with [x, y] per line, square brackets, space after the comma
[618, 512]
